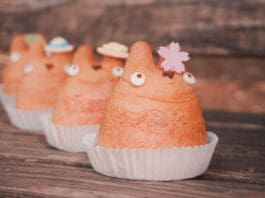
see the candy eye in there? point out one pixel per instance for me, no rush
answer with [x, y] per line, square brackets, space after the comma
[137, 79]
[66, 67]
[117, 71]
[28, 69]
[189, 78]
[15, 56]
[73, 70]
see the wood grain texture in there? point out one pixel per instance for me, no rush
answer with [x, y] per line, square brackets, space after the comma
[211, 27]
[29, 167]
[70, 181]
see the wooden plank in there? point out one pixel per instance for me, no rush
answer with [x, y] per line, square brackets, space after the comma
[235, 117]
[69, 181]
[33, 147]
[239, 156]
[205, 27]
[18, 5]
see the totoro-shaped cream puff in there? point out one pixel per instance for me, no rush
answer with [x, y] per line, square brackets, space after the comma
[42, 79]
[14, 71]
[151, 107]
[83, 97]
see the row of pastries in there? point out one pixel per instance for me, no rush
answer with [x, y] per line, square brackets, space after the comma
[110, 103]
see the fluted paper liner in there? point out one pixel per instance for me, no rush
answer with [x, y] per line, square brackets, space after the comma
[67, 138]
[29, 120]
[151, 164]
[6, 99]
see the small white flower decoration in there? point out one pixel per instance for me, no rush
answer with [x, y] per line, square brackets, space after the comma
[174, 58]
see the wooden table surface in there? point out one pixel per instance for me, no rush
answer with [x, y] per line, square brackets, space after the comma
[29, 167]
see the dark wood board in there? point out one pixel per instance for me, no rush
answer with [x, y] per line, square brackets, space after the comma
[71, 181]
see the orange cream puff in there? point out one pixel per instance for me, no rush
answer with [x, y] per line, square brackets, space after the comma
[13, 73]
[153, 106]
[43, 77]
[83, 97]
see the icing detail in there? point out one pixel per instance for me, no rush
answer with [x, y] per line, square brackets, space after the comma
[73, 70]
[59, 44]
[189, 78]
[33, 38]
[174, 58]
[137, 79]
[15, 56]
[96, 66]
[169, 74]
[115, 46]
[114, 49]
[49, 66]
[117, 71]
[28, 68]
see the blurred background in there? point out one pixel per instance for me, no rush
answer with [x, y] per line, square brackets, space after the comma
[226, 38]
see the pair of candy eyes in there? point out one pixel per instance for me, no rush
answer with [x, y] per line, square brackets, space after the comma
[73, 70]
[138, 78]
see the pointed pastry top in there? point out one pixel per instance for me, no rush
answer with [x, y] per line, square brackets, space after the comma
[140, 55]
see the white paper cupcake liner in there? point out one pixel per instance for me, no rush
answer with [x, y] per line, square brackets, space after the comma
[67, 138]
[6, 98]
[29, 120]
[151, 164]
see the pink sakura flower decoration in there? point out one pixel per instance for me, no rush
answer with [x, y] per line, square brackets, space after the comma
[174, 58]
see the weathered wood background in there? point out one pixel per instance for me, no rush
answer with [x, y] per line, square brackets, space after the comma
[29, 167]
[205, 26]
